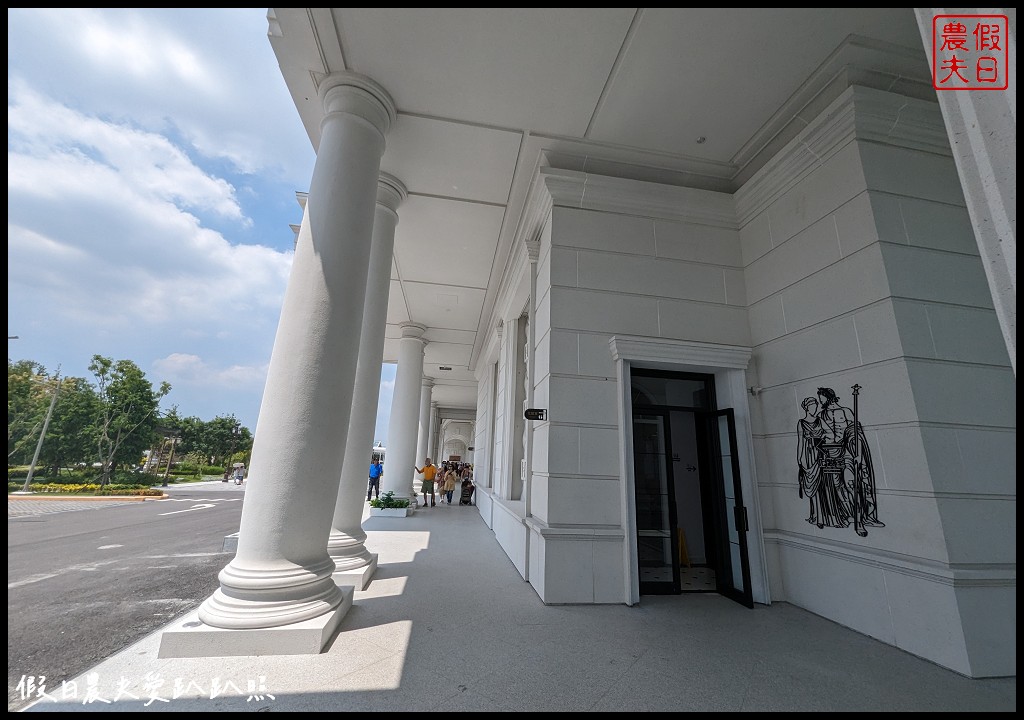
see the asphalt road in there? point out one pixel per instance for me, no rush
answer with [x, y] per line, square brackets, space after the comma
[89, 579]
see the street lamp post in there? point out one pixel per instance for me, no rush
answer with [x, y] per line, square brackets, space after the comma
[235, 432]
[42, 436]
[173, 440]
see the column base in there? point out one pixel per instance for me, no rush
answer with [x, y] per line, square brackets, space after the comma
[189, 637]
[357, 578]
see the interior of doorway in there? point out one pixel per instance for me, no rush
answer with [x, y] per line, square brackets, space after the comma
[696, 568]
[674, 501]
[676, 554]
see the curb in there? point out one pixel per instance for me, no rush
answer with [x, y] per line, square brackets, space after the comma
[47, 496]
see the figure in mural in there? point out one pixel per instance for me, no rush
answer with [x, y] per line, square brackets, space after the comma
[846, 459]
[819, 482]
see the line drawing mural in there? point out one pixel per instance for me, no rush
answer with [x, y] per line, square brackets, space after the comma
[834, 464]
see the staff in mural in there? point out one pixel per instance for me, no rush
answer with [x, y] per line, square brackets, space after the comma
[823, 490]
[836, 472]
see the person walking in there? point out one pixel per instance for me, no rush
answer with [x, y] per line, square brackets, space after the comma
[376, 471]
[449, 484]
[429, 471]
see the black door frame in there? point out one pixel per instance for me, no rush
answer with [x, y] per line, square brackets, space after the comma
[661, 587]
[711, 447]
[713, 499]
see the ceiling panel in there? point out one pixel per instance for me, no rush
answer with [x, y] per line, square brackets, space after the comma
[446, 241]
[444, 306]
[391, 349]
[463, 395]
[721, 73]
[397, 311]
[456, 160]
[443, 335]
[467, 81]
[538, 69]
[447, 354]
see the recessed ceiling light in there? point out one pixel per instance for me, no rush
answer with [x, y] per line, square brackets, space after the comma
[701, 140]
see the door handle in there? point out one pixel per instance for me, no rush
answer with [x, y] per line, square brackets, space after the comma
[740, 518]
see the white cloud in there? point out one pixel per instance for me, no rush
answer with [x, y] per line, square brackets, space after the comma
[104, 212]
[54, 151]
[191, 369]
[208, 73]
[128, 233]
[153, 156]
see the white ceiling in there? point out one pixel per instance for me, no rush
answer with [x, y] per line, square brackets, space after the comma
[485, 96]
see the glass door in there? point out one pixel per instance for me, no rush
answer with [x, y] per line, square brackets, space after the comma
[657, 553]
[730, 515]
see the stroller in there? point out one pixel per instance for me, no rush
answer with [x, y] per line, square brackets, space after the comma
[468, 488]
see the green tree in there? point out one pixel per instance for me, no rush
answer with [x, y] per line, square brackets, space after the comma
[128, 411]
[193, 437]
[28, 396]
[71, 437]
[221, 439]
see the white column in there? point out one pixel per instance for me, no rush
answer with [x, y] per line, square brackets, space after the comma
[432, 431]
[354, 564]
[982, 128]
[426, 389]
[532, 253]
[281, 575]
[400, 464]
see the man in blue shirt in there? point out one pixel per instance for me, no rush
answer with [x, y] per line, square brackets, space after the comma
[376, 470]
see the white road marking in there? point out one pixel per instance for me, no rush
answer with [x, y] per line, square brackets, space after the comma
[180, 555]
[108, 547]
[232, 499]
[201, 506]
[46, 576]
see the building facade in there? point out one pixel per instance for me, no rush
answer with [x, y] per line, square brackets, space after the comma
[785, 373]
[847, 262]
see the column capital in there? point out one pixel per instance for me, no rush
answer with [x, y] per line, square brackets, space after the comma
[427, 382]
[413, 331]
[532, 250]
[358, 95]
[391, 192]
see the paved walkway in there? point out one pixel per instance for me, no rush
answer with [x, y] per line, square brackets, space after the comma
[447, 624]
[27, 505]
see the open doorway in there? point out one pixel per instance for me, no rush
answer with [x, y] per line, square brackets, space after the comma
[690, 519]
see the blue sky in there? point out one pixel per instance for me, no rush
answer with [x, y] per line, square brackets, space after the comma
[153, 158]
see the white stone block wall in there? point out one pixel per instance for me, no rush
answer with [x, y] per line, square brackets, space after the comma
[848, 260]
[501, 417]
[483, 425]
[618, 274]
[862, 268]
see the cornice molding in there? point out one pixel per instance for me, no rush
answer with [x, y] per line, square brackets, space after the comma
[679, 352]
[570, 188]
[859, 113]
[858, 60]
